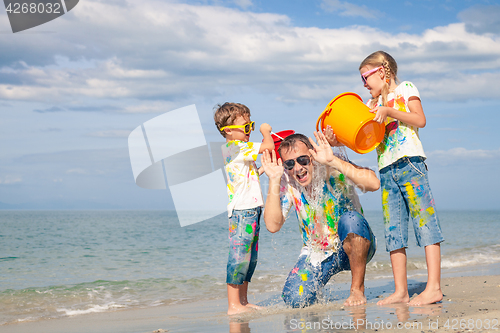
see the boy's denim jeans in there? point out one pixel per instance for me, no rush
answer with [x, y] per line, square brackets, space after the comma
[244, 227]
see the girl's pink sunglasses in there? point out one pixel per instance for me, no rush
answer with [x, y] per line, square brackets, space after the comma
[365, 75]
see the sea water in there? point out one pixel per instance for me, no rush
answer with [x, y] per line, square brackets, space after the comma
[66, 263]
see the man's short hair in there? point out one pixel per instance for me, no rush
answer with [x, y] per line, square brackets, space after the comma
[226, 113]
[290, 141]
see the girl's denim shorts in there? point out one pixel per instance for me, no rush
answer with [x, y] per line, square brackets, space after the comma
[406, 194]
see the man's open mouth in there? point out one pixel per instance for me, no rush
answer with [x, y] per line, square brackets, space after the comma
[302, 175]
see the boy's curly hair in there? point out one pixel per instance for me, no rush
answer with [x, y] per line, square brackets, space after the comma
[226, 113]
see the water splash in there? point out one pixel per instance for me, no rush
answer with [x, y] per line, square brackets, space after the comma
[322, 201]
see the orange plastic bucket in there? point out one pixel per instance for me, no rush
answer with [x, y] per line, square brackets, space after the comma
[352, 122]
[278, 138]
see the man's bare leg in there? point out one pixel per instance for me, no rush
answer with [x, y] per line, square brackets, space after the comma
[398, 263]
[432, 292]
[356, 248]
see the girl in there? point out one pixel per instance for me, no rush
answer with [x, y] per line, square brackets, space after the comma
[403, 176]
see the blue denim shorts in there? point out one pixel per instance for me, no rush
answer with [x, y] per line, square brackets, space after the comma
[244, 227]
[406, 193]
[305, 280]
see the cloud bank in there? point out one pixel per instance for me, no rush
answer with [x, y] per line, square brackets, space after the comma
[165, 52]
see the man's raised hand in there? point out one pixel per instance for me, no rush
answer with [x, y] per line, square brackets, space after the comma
[272, 167]
[322, 151]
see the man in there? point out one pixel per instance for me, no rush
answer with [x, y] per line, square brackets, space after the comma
[336, 236]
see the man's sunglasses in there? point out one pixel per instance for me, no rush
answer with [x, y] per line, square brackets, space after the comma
[302, 160]
[247, 128]
[366, 74]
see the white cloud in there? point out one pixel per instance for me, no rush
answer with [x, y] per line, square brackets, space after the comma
[10, 179]
[462, 155]
[78, 171]
[110, 134]
[150, 107]
[482, 19]
[245, 4]
[160, 51]
[349, 9]
[458, 85]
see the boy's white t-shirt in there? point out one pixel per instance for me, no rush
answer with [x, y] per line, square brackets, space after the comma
[243, 186]
[400, 139]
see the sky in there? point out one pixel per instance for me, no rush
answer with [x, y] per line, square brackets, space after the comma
[73, 89]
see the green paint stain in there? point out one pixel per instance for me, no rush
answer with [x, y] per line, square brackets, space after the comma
[341, 177]
[249, 229]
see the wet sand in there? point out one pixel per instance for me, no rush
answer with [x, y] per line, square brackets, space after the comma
[471, 303]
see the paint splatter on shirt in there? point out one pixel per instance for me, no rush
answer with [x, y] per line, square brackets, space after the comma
[400, 139]
[318, 217]
[243, 186]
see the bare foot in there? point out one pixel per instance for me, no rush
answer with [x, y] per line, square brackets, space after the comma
[357, 297]
[427, 297]
[237, 309]
[395, 298]
[253, 306]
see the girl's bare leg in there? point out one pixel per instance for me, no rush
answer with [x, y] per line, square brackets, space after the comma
[400, 295]
[432, 292]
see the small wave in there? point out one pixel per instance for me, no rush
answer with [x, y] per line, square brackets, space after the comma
[8, 258]
[466, 258]
[91, 309]
[101, 296]
[375, 266]
[21, 320]
[471, 259]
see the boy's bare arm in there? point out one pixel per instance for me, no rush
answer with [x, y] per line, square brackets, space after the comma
[268, 142]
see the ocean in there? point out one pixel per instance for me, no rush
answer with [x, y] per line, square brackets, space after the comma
[55, 264]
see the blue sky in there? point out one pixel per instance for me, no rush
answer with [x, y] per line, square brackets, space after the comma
[73, 89]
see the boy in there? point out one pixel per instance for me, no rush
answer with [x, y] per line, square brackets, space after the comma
[245, 198]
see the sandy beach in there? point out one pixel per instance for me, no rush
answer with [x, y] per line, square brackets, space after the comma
[470, 304]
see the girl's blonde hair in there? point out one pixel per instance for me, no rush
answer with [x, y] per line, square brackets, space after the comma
[384, 59]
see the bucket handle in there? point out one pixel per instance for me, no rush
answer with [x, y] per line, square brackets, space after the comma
[277, 136]
[328, 109]
[322, 116]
